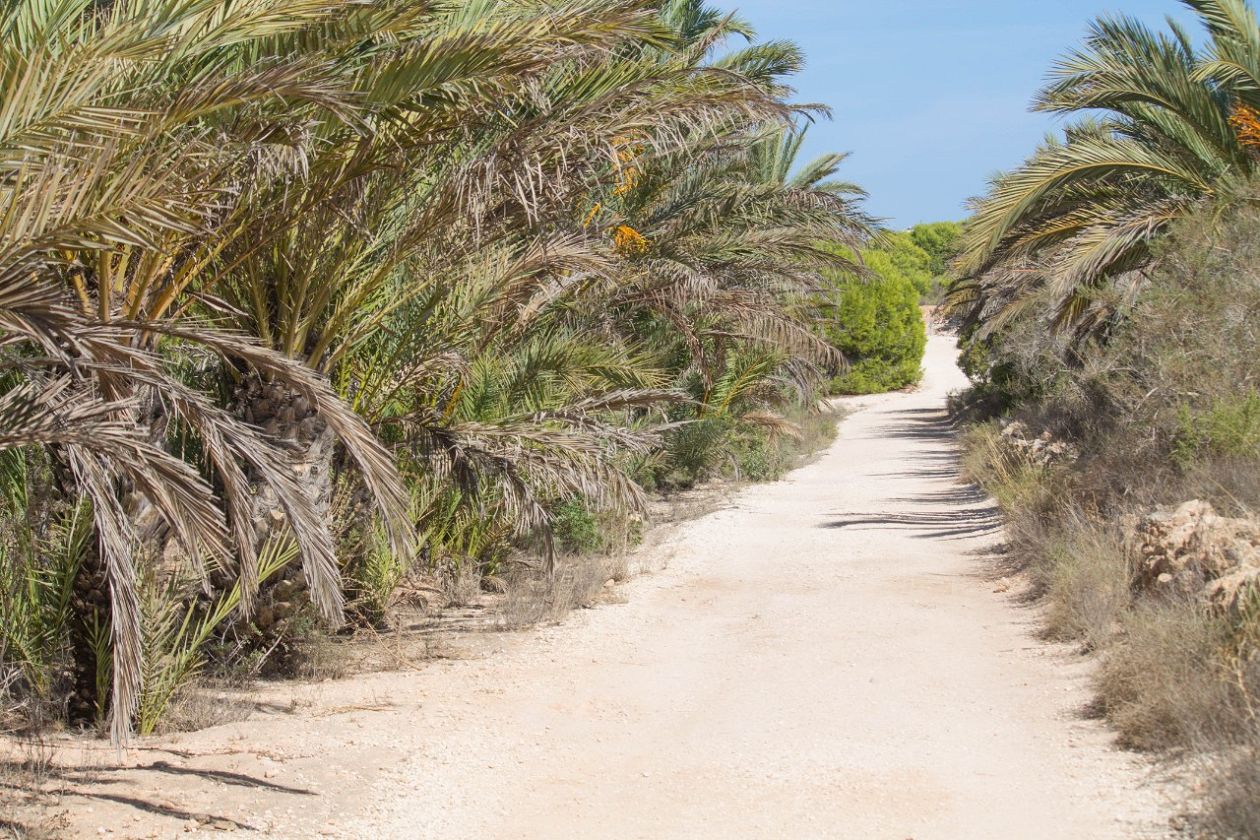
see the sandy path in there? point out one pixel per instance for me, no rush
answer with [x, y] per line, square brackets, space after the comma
[822, 658]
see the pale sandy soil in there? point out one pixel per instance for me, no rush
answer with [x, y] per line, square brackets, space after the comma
[829, 656]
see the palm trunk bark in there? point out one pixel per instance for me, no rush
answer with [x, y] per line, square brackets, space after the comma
[312, 446]
[90, 617]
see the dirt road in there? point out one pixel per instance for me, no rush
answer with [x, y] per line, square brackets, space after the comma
[825, 657]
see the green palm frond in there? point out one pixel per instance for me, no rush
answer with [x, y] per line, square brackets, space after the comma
[1081, 215]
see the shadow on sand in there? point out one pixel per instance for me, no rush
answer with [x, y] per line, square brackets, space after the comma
[67, 782]
[959, 511]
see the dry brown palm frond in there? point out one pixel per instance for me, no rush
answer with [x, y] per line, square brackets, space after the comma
[380, 473]
[568, 451]
[776, 424]
[102, 445]
[111, 352]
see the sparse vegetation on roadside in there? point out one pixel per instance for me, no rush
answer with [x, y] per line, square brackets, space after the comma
[1161, 413]
[1108, 297]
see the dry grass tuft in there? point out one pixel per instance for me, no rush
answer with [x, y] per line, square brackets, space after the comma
[1163, 685]
[1236, 810]
[1085, 577]
[203, 704]
[580, 582]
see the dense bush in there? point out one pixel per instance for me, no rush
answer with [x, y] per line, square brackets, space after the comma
[878, 326]
[895, 254]
[942, 242]
[1227, 428]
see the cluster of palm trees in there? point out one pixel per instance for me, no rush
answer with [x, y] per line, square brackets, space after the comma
[1163, 125]
[319, 278]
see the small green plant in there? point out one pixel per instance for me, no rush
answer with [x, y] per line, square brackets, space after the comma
[756, 457]
[1229, 428]
[176, 633]
[576, 528]
[693, 452]
[36, 587]
[374, 575]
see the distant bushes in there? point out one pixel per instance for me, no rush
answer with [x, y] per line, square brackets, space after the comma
[876, 321]
[895, 254]
[878, 327]
[941, 241]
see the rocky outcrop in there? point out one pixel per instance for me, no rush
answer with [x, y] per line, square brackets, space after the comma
[1192, 552]
[1235, 592]
[1043, 449]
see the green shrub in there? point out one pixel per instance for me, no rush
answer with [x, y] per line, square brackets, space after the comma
[876, 376]
[756, 453]
[879, 328]
[756, 458]
[941, 242]
[576, 528]
[896, 256]
[1229, 428]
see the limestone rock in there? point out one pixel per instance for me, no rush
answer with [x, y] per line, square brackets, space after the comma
[1043, 450]
[1191, 551]
[1236, 592]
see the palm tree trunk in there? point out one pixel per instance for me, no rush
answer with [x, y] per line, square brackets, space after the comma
[90, 615]
[290, 418]
[312, 446]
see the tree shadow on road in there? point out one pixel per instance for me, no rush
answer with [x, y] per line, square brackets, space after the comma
[968, 512]
[920, 424]
[951, 524]
[89, 783]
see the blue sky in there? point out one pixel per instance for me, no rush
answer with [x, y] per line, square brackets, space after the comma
[930, 96]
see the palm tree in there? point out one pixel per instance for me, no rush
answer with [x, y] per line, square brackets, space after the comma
[1070, 231]
[105, 156]
[271, 261]
[731, 243]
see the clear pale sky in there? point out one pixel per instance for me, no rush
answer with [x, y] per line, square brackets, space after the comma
[930, 96]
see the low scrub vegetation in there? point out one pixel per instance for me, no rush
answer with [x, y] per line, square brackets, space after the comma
[1107, 299]
[1163, 412]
